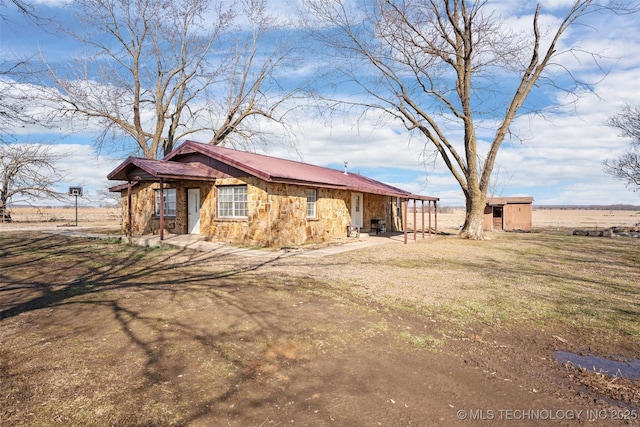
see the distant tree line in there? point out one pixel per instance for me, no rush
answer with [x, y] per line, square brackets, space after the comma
[616, 207]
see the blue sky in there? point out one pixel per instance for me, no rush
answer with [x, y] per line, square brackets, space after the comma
[557, 158]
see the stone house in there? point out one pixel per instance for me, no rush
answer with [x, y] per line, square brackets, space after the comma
[244, 198]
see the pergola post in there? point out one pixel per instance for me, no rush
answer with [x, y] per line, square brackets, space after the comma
[435, 208]
[415, 220]
[405, 223]
[429, 218]
[423, 219]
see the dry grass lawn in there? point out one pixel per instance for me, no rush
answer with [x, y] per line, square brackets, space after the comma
[594, 282]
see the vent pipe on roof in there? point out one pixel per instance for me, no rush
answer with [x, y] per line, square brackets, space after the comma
[345, 167]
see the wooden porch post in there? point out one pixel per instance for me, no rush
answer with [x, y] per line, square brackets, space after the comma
[405, 202]
[129, 213]
[435, 209]
[415, 220]
[422, 219]
[429, 218]
[161, 210]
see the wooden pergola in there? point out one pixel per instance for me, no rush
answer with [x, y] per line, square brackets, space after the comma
[416, 198]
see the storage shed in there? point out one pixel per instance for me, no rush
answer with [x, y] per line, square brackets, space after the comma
[508, 214]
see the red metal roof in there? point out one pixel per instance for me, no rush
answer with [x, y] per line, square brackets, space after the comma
[139, 169]
[497, 201]
[273, 169]
[267, 168]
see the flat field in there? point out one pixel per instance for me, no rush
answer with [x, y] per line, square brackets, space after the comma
[587, 219]
[448, 219]
[443, 331]
[63, 215]
[567, 219]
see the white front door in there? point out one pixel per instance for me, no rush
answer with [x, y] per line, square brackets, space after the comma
[193, 210]
[356, 210]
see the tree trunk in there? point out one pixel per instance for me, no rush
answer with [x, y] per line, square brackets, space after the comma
[474, 219]
[4, 215]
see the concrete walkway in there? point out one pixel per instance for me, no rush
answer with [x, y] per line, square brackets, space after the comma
[192, 241]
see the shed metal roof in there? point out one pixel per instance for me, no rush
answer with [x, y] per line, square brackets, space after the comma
[499, 201]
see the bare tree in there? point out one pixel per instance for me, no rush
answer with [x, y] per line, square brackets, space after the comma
[627, 167]
[28, 170]
[160, 71]
[441, 67]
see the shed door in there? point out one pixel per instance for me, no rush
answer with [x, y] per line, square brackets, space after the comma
[193, 210]
[356, 210]
[497, 217]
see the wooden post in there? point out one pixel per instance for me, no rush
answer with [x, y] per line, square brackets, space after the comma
[429, 218]
[405, 202]
[415, 220]
[423, 219]
[129, 213]
[161, 210]
[435, 209]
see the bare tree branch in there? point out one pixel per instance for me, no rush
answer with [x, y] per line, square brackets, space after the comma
[628, 123]
[626, 168]
[26, 8]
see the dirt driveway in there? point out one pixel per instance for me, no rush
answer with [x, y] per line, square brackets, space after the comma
[95, 332]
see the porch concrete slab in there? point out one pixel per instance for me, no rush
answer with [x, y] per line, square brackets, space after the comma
[193, 241]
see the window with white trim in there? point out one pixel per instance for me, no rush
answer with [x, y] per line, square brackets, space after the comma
[169, 202]
[312, 202]
[232, 201]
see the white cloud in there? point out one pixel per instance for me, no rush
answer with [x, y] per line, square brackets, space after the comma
[83, 167]
[361, 142]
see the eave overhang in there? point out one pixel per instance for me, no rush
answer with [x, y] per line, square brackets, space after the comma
[137, 169]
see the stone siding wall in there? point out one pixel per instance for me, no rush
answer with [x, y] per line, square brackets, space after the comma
[276, 213]
[377, 207]
[143, 199]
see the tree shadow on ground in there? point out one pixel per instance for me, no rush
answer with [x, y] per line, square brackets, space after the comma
[176, 314]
